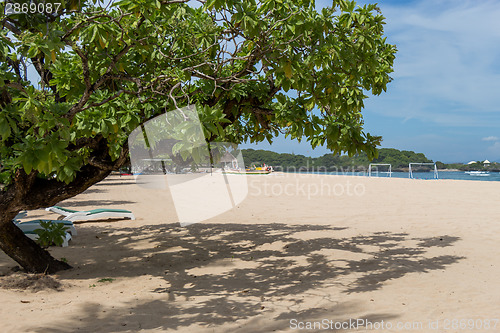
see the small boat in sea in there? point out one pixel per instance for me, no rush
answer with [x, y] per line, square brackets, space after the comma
[257, 172]
[247, 172]
[263, 170]
[478, 173]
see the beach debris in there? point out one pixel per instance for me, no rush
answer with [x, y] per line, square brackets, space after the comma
[105, 280]
[33, 282]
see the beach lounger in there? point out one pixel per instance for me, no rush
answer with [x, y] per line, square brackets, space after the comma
[35, 224]
[94, 214]
[22, 214]
[29, 227]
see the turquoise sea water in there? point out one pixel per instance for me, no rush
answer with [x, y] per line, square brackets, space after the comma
[457, 175]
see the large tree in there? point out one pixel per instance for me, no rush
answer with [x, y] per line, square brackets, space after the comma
[76, 79]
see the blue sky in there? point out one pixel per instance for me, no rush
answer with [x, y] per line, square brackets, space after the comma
[445, 97]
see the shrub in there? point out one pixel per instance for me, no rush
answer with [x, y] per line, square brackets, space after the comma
[51, 233]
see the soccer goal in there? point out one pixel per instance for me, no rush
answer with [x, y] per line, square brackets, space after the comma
[373, 169]
[422, 167]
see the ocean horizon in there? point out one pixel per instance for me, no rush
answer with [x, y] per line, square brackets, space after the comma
[455, 175]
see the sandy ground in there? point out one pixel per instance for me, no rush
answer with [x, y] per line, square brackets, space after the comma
[403, 255]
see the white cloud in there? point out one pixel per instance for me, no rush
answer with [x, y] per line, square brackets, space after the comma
[446, 68]
[491, 138]
[494, 151]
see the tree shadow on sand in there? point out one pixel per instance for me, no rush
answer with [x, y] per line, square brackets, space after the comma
[95, 203]
[230, 273]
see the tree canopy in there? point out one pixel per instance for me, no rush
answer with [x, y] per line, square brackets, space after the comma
[74, 82]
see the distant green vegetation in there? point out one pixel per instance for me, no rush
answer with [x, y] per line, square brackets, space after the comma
[330, 163]
[478, 166]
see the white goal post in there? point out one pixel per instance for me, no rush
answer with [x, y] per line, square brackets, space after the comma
[410, 171]
[370, 168]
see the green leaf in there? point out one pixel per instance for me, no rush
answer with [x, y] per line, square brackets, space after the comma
[286, 85]
[51, 233]
[27, 166]
[288, 70]
[102, 42]
[4, 129]
[212, 128]
[32, 52]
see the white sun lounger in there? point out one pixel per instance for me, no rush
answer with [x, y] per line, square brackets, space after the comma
[29, 227]
[94, 214]
[35, 224]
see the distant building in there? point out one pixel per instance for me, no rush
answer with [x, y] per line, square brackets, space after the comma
[486, 163]
[471, 162]
[229, 161]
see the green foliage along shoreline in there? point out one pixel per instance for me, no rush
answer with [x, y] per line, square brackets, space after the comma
[360, 162]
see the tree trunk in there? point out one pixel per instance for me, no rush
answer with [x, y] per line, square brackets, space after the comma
[26, 252]
[28, 191]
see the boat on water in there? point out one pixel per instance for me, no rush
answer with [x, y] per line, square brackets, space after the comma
[257, 172]
[247, 172]
[478, 173]
[263, 170]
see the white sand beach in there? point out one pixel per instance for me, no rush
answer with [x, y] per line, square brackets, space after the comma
[396, 252]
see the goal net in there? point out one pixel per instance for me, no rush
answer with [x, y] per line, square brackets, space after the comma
[379, 170]
[422, 171]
